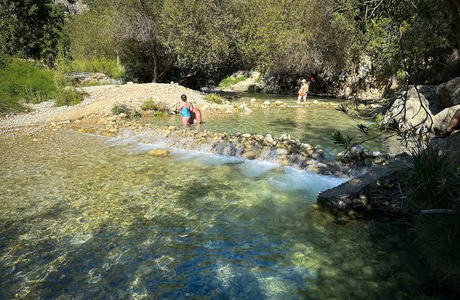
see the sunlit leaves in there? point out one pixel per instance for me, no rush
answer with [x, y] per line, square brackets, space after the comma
[30, 28]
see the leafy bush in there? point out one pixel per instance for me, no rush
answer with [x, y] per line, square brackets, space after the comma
[23, 81]
[433, 181]
[214, 98]
[148, 105]
[158, 107]
[231, 80]
[8, 104]
[68, 96]
[120, 108]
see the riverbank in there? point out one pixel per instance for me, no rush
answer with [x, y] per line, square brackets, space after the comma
[99, 101]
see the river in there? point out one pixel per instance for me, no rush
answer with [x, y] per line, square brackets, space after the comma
[91, 217]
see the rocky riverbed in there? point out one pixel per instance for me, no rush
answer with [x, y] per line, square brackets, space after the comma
[94, 115]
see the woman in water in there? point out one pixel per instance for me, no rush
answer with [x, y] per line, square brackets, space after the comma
[185, 109]
[196, 116]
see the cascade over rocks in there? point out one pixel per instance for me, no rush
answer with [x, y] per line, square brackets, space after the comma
[284, 150]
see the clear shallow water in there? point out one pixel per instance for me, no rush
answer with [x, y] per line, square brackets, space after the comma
[311, 124]
[85, 217]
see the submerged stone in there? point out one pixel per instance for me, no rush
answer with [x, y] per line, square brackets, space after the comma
[159, 152]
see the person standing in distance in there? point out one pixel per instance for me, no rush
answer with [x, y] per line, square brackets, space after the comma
[303, 91]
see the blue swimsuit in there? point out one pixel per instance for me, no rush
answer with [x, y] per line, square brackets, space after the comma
[185, 112]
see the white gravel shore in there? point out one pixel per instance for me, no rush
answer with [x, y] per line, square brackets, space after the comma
[100, 101]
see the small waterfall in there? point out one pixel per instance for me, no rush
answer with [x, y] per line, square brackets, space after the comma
[283, 151]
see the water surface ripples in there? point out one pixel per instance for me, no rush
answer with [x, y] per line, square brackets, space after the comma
[86, 217]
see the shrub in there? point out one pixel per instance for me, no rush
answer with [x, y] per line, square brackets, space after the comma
[120, 108]
[148, 105]
[9, 105]
[214, 98]
[433, 181]
[231, 80]
[158, 107]
[68, 96]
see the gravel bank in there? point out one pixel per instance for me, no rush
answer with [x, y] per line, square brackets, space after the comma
[99, 100]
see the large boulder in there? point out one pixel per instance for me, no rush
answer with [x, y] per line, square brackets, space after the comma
[442, 119]
[410, 110]
[449, 92]
[425, 107]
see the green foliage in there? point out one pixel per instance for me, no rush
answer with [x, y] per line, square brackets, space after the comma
[438, 238]
[31, 29]
[432, 181]
[379, 119]
[363, 128]
[341, 140]
[197, 31]
[148, 105]
[343, 108]
[121, 109]
[191, 41]
[103, 65]
[292, 36]
[413, 36]
[23, 81]
[227, 82]
[214, 98]
[68, 97]
[93, 33]
[9, 104]
[158, 108]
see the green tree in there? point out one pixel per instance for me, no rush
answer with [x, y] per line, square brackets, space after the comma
[402, 36]
[292, 36]
[31, 28]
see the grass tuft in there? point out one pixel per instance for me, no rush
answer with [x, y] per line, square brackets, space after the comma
[214, 98]
[227, 82]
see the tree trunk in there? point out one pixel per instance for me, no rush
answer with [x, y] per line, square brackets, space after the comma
[156, 62]
[393, 79]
